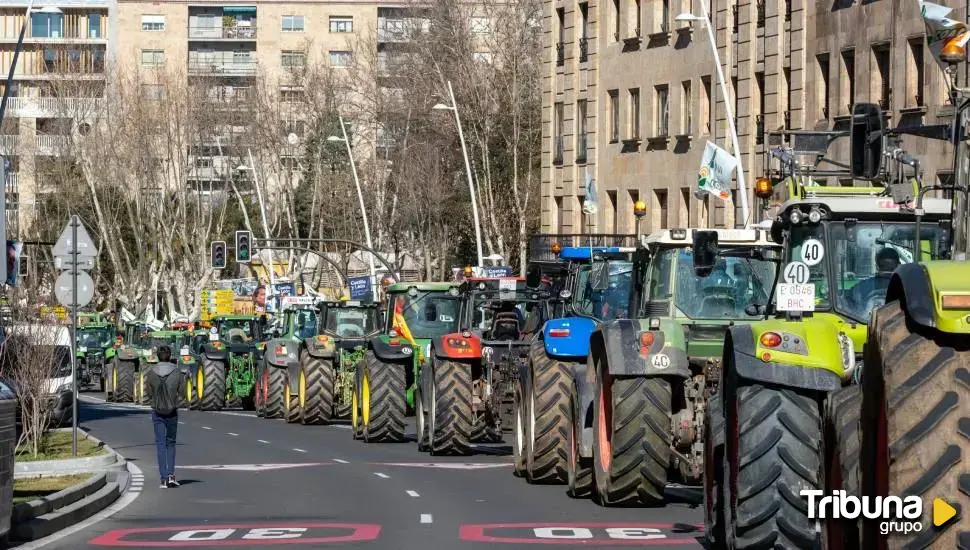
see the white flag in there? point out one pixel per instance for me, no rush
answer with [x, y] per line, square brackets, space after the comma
[714, 175]
[589, 202]
[940, 29]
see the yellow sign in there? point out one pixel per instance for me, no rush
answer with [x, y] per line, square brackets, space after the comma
[215, 303]
[942, 512]
[58, 312]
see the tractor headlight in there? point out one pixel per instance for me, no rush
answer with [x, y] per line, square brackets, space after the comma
[848, 356]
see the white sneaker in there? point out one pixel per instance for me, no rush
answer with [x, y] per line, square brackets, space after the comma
[163, 486]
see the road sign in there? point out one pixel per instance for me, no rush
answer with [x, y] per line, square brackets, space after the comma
[65, 262]
[85, 246]
[64, 289]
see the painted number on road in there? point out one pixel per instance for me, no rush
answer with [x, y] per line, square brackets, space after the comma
[606, 534]
[616, 533]
[239, 535]
[812, 252]
[797, 272]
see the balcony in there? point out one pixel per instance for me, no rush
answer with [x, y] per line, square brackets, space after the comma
[53, 107]
[560, 54]
[50, 145]
[8, 144]
[229, 33]
[221, 68]
[583, 49]
[557, 153]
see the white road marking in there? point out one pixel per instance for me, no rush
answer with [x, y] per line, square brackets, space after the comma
[232, 434]
[206, 428]
[263, 441]
[382, 476]
[298, 450]
[426, 518]
[413, 494]
[342, 426]
[181, 422]
[233, 413]
[340, 461]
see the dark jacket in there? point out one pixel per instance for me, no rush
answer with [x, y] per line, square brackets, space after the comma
[164, 402]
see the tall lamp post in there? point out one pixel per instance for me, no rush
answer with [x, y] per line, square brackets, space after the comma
[705, 20]
[360, 198]
[468, 169]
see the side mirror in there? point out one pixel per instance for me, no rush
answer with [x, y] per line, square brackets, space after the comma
[599, 277]
[705, 252]
[777, 232]
[865, 138]
[533, 278]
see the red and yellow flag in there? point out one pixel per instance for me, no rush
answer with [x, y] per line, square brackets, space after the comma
[401, 326]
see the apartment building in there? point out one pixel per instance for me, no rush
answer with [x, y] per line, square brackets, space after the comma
[631, 95]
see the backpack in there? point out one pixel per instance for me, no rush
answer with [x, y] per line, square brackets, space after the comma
[166, 400]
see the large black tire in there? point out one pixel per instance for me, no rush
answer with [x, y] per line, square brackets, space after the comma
[579, 471]
[341, 409]
[318, 404]
[631, 452]
[125, 391]
[842, 446]
[292, 412]
[421, 421]
[388, 404]
[213, 396]
[547, 409]
[916, 425]
[713, 471]
[273, 406]
[452, 417]
[778, 453]
[519, 435]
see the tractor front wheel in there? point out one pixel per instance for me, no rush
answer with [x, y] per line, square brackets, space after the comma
[420, 420]
[519, 435]
[212, 387]
[713, 471]
[317, 402]
[451, 418]
[124, 382]
[292, 411]
[547, 405]
[842, 442]
[383, 402]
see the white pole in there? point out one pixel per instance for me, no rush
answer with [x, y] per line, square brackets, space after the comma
[742, 188]
[363, 210]
[262, 214]
[468, 171]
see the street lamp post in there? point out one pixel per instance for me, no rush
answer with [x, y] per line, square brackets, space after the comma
[360, 198]
[705, 20]
[262, 214]
[468, 170]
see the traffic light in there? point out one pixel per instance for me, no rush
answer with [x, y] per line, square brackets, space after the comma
[218, 254]
[243, 251]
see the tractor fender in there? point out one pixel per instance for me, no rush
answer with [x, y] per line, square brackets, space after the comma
[292, 366]
[317, 347]
[391, 353]
[291, 352]
[576, 344]
[585, 387]
[442, 347]
[127, 354]
[822, 370]
[109, 353]
[910, 284]
[618, 342]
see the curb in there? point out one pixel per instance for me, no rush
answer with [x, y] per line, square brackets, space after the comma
[26, 511]
[44, 525]
[110, 461]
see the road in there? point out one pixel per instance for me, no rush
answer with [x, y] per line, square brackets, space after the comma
[252, 483]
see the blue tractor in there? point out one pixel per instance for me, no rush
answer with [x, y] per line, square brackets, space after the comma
[554, 381]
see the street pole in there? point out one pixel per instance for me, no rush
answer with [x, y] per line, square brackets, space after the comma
[262, 214]
[363, 210]
[468, 171]
[742, 188]
[74, 268]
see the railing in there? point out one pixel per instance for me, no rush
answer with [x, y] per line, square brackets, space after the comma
[560, 54]
[237, 32]
[229, 68]
[583, 49]
[540, 246]
[581, 148]
[392, 35]
[557, 153]
[51, 143]
[52, 106]
[8, 144]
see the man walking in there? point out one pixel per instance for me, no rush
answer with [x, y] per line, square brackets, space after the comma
[165, 386]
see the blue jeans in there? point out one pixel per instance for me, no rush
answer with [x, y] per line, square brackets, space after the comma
[165, 429]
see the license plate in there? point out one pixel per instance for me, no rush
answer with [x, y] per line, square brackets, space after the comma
[795, 297]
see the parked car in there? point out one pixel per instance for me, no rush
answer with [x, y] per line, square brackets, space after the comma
[59, 387]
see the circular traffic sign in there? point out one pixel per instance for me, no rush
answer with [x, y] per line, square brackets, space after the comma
[64, 289]
[797, 272]
[812, 252]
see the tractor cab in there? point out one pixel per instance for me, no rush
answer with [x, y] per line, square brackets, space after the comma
[95, 347]
[238, 329]
[177, 341]
[351, 319]
[600, 282]
[136, 337]
[299, 319]
[502, 309]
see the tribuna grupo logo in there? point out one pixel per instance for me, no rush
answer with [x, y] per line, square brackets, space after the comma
[895, 514]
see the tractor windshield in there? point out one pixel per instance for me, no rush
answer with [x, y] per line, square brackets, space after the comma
[734, 284]
[304, 323]
[348, 322]
[236, 329]
[94, 337]
[498, 318]
[426, 315]
[610, 303]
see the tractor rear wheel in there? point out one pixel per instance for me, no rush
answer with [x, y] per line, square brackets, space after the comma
[259, 393]
[292, 412]
[631, 450]
[318, 400]
[451, 418]
[547, 408]
[212, 394]
[520, 435]
[773, 449]
[124, 386]
[273, 405]
[916, 425]
[383, 402]
[579, 470]
[142, 379]
[356, 410]
[842, 446]
[714, 471]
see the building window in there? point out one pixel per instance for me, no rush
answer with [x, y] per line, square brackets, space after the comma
[614, 115]
[561, 41]
[707, 104]
[611, 217]
[761, 13]
[581, 134]
[759, 121]
[340, 59]
[914, 74]
[663, 111]
[664, 25]
[880, 77]
[822, 91]
[786, 74]
[848, 75]
[583, 32]
[638, 14]
[290, 59]
[687, 108]
[557, 132]
[661, 195]
[634, 113]
[47, 25]
[341, 24]
[616, 20]
[151, 22]
[480, 25]
[94, 25]
[152, 58]
[685, 194]
[293, 23]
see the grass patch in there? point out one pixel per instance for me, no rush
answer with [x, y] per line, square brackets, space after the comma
[25, 490]
[56, 445]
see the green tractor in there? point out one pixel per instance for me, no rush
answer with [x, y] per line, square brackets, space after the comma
[384, 386]
[187, 362]
[228, 374]
[637, 415]
[782, 419]
[95, 349]
[121, 376]
[298, 322]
